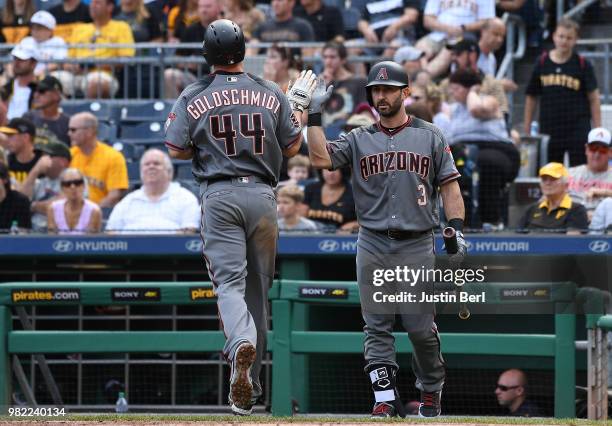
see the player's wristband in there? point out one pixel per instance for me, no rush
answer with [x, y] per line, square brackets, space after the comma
[456, 224]
[314, 119]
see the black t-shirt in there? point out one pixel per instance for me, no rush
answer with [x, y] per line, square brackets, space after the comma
[19, 171]
[144, 31]
[527, 409]
[569, 215]
[58, 127]
[563, 90]
[327, 22]
[380, 14]
[15, 207]
[80, 14]
[334, 215]
[345, 97]
[194, 33]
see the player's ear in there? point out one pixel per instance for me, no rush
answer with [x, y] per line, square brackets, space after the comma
[406, 92]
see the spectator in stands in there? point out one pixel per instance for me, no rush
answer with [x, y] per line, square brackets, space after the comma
[42, 186]
[289, 219]
[283, 27]
[281, 66]
[176, 79]
[477, 118]
[298, 170]
[591, 182]
[556, 211]
[160, 204]
[144, 24]
[14, 206]
[602, 217]
[245, 14]
[358, 120]
[16, 16]
[19, 90]
[465, 55]
[47, 46]
[100, 81]
[532, 15]
[566, 86]
[349, 89]
[69, 15]
[22, 158]
[51, 123]
[439, 110]
[390, 22]
[330, 201]
[104, 167]
[411, 58]
[491, 39]
[73, 214]
[326, 20]
[448, 22]
[511, 392]
[180, 17]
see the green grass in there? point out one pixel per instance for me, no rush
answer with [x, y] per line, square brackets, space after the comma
[300, 419]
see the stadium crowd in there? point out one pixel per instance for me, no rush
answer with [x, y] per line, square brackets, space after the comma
[70, 172]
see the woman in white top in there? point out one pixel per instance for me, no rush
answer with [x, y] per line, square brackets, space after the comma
[73, 214]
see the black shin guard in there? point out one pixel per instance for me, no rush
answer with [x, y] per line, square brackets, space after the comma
[382, 377]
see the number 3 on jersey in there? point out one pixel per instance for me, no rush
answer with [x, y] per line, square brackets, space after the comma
[251, 126]
[422, 198]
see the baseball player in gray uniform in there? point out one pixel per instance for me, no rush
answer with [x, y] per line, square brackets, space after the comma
[236, 127]
[400, 165]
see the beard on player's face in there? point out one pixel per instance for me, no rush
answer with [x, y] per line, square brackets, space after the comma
[392, 105]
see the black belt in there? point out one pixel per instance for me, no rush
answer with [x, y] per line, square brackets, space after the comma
[239, 179]
[399, 234]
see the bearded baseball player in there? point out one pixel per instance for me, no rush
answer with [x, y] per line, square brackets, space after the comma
[400, 166]
[236, 127]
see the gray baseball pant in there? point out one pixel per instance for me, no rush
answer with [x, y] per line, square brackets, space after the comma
[376, 251]
[240, 233]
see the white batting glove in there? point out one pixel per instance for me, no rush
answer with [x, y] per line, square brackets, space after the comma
[320, 96]
[300, 93]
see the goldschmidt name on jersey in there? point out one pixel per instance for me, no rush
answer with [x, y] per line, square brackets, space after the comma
[383, 162]
[209, 101]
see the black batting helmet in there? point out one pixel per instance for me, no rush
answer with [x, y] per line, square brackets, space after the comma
[223, 43]
[386, 73]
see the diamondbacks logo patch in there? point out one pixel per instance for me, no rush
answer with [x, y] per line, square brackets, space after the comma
[382, 74]
[171, 118]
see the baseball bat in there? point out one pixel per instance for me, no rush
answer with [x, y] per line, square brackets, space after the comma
[450, 240]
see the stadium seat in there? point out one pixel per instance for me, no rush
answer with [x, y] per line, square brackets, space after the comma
[107, 132]
[143, 131]
[133, 169]
[130, 151]
[102, 110]
[182, 170]
[150, 111]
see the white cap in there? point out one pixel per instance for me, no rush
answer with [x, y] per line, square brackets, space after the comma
[599, 135]
[44, 18]
[24, 51]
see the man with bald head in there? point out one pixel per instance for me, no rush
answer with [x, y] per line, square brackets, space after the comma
[160, 205]
[511, 392]
[103, 166]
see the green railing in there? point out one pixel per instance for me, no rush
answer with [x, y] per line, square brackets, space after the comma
[290, 341]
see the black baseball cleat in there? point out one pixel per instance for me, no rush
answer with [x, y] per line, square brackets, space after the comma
[383, 410]
[430, 404]
[241, 385]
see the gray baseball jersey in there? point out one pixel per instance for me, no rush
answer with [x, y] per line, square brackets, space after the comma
[396, 176]
[238, 125]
